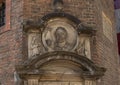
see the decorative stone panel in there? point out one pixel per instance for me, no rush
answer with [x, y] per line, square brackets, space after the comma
[55, 32]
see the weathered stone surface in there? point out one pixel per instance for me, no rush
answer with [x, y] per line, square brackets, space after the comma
[12, 37]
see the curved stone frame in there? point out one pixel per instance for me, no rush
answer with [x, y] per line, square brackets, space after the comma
[92, 69]
[81, 28]
[40, 23]
[91, 72]
[52, 31]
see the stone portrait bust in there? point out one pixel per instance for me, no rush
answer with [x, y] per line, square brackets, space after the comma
[59, 38]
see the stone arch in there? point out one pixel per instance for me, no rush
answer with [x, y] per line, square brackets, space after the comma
[41, 22]
[61, 15]
[66, 70]
[88, 67]
[47, 68]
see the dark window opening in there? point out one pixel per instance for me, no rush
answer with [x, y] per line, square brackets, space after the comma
[2, 14]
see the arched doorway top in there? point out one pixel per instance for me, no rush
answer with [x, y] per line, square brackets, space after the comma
[89, 68]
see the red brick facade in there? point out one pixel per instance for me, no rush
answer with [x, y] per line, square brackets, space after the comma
[12, 39]
[7, 26]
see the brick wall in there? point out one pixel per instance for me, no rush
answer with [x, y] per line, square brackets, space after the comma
[88, 11]
[82, 9]
[106, 49]
[10, 41]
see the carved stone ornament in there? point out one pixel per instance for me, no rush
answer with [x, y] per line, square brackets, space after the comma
[35, 46]
[58, 52]
[59, 36]
[58, 32]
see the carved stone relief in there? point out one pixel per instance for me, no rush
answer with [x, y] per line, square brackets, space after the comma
[34, 43]
[59, 36]
[84, 46]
